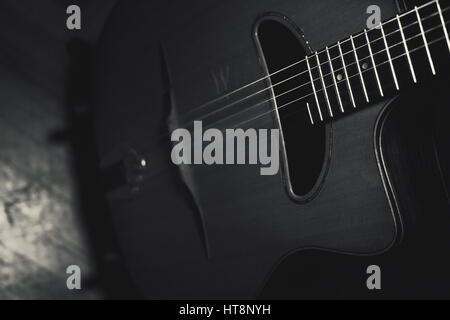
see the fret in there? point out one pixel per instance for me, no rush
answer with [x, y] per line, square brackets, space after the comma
[377, 56]
[388, 52]
[359, 69]
[350, 92]
[338, 95]
[430, 60]
[443, 24]
[408, 56]
[324, 86]
[314, 88]
[373, 63]
[309, 112]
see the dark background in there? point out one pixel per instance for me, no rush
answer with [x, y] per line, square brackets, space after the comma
[45, 212]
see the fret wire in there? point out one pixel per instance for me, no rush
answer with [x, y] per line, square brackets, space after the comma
[359, 69]
[346, 75]
[314, 88]
[380, 64]
[336, 88]
[323, 86]
[303, 97]
[373, 63]
[443, 24]
[399, 56]
[430, 60]
[376, 53]
[348, 52]
[388, 52]
[411, 68]
[309, 112]
[344, 68]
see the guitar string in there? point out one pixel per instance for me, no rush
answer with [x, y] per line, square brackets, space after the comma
[319, 78]
[271, 111]
[164, 135]
[329, 86]
[146, 152]
[355, 75]
[303, 60]
[185, 121]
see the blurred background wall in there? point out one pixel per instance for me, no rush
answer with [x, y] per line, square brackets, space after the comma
[43, 227]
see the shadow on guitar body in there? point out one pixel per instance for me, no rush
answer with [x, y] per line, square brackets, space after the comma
[417, 159]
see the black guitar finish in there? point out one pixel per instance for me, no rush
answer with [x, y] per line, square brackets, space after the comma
[417, 266]
[222, 232]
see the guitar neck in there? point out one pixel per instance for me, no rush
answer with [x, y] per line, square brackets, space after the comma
[376, 63]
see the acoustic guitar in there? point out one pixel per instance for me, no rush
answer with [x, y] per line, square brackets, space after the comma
[361, 112]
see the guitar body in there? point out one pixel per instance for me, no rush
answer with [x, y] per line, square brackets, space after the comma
[222, 232]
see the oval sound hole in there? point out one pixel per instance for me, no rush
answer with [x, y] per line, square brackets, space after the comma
[305, 143]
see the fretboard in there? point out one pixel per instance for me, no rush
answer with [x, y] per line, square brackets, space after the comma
[372, 64]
